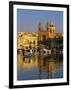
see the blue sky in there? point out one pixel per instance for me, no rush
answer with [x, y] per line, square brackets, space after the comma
[27, 19]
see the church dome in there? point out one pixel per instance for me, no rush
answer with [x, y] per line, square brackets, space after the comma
[51, 23]
[52, 26]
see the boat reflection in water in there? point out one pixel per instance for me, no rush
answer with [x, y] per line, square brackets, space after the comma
[39, 67]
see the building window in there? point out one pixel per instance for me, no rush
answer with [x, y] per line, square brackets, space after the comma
[51, 31]
[44, 37]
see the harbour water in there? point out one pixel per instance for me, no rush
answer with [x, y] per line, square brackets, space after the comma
[39, 66]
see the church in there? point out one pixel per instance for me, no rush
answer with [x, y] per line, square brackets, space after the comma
[49, 37]
[50, 32]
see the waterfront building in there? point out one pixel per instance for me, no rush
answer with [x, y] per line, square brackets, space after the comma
[27, 40]
[49, 37]
[50, 32]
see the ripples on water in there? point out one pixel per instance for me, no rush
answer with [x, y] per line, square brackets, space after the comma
[39, 67]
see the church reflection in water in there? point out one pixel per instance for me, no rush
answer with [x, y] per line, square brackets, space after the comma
[39, 67]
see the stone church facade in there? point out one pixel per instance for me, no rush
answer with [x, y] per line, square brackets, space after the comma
[50, 32]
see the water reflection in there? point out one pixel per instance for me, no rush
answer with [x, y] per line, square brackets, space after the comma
[39, 66]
